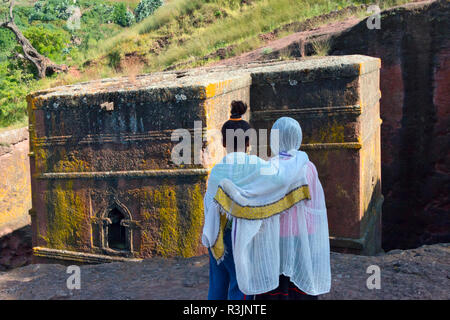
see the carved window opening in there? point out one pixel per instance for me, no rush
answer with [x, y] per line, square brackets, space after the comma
[117, 239]
[115, 229]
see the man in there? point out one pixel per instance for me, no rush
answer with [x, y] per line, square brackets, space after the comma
[222, 275]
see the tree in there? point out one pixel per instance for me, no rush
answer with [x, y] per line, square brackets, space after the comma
[122, 16]
[43, 64]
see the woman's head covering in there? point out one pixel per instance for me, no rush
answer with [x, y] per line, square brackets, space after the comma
[289, 135]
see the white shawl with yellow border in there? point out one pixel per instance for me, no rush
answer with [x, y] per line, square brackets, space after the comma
[279, 226]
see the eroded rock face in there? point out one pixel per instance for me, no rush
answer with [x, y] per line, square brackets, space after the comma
[15, 199]
[15, 249]
[412, 274]
[414, 48]
[15, 191]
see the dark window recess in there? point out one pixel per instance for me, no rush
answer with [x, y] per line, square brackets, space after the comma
[116, 232]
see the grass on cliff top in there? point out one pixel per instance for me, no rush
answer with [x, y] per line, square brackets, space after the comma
[185, 30]
[196, 28]
[182, 32]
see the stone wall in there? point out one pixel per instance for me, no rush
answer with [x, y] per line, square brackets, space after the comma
[15, 193]
[338, 110]
[15, 199]
[105, 146]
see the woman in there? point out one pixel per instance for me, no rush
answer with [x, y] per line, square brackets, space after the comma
[305, 225]
[280, 231]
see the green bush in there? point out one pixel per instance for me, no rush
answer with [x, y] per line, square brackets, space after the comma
[49, 43]
[146, 8]
[14, 86]
[50, 10]
[94, 12]
[98, 13]
[130, 18]
[7, 43]
[122, 16]
[114, 58]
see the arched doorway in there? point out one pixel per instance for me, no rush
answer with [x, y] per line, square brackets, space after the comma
[116, 229]
[117, 237]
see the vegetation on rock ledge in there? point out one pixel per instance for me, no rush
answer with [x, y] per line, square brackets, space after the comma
[185, 33]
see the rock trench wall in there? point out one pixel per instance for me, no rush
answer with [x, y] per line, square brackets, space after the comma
[414, 47]
[15, 199]
[15, 249]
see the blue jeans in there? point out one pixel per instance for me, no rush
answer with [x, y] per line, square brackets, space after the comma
[222, 277]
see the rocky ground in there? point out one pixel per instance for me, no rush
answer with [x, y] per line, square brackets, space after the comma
[422, 273]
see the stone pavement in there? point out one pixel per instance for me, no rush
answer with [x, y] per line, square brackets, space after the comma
[422, 273]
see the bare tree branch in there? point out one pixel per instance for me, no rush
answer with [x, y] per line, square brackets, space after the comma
[43, 64]
[10, 17]
[11, 5]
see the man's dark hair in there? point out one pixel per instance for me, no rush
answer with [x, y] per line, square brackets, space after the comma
[238, 108]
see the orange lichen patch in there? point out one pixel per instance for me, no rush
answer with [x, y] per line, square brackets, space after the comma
[216, 88]
[370, 159]
[333, 132]
[210, 90]
[71, 166]
[15, 193]
[41, 156]
[368, 66]
[165, 203]
[66, 217]
[190, 234]
[70, 163]
[171, 223]
[34, 102]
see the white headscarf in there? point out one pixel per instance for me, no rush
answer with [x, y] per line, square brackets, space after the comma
[276, 230]
[289, 135]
